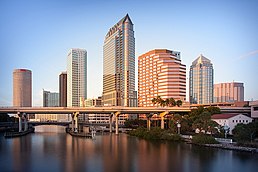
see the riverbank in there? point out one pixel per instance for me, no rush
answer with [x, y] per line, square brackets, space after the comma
[18, 134]
[232, 147]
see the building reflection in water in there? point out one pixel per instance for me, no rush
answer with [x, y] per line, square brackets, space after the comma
[50, 148]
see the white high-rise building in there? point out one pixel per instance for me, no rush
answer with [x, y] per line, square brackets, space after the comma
[76, 77]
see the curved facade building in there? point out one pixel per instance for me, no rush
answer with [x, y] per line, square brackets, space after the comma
[160, 73]
[22, 88]
[119, 64]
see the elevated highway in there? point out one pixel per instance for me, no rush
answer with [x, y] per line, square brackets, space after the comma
[111, 110]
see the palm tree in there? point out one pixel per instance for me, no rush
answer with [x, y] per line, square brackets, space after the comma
[179, 103]
[154, 101]
[172, 102]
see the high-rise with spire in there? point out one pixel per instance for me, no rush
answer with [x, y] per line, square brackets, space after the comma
[201, 81]
[119, 64]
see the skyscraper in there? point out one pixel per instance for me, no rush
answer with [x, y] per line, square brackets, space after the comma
[63, 89]
[76, 77]
[229, 92]
[201, 81]
[160, 73]
[22, 88]
[119, 64]
[50, 99]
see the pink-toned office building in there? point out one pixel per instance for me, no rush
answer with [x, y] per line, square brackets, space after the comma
[22, 88]
[229, 92]
[160, 73]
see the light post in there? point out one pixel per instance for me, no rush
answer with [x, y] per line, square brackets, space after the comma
[226, 129]
[178, 127]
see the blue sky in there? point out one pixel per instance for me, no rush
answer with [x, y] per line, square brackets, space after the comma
[37, 35]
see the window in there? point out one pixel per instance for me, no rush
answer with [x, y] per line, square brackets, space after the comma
[236, 121]
[233, 121]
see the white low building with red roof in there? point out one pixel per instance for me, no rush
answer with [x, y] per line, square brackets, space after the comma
[231, 120]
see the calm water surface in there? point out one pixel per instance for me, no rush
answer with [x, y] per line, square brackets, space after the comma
[51, 149]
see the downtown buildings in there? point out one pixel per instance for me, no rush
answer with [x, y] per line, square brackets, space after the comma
[119, 64]
[63, 89]
[229, 92]
[201, 81]
[76, 77]
[22, 88]
[160, 73]
[50, 99]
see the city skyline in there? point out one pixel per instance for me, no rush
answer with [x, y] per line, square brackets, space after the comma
[35, 37]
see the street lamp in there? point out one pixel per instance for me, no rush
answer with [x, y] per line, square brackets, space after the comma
[178, 127]
[226, 129]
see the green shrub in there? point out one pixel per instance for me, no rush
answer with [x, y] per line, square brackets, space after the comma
[204, 139]
[154, 134]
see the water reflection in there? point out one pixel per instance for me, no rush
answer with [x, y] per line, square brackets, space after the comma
[50, 148]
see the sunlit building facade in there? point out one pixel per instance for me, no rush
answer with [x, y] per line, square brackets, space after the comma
[201, 81]
[119, 64]
[160, 73]
[22, 88]
[76, 77]
[229, 92]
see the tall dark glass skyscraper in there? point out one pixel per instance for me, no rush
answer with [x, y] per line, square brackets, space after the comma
[119, 64]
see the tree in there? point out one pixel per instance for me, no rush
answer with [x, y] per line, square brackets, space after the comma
[172, 102]
[179, 103]
[213, 110]
[4, 117]
[245, 132]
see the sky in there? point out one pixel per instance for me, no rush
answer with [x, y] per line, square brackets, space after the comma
[37, 35]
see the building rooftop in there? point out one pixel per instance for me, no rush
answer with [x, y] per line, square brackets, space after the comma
[201, 59]
[224, 115]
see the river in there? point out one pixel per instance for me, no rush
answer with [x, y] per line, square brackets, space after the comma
[51, 149]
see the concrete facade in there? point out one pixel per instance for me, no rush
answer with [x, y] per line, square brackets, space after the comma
[22, 88]
[254, 109]
[160, 73]
[229, 92]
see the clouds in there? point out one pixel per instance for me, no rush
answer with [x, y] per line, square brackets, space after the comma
[249, 54]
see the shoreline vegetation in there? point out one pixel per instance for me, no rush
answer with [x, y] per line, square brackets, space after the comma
[198, 139]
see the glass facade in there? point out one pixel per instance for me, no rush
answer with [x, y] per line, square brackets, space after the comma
[119, 64]
[201, 81]
[76, 77]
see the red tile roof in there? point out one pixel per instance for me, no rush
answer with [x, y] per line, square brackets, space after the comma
[224, 115]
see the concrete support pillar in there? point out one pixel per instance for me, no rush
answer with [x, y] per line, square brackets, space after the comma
[148, 123]
[162, 115]
[72, 115]
[110, 122]
[148, 116]
[25, 122]
[20, 122]
[117, 115]
[162, 122]
[76, 114]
